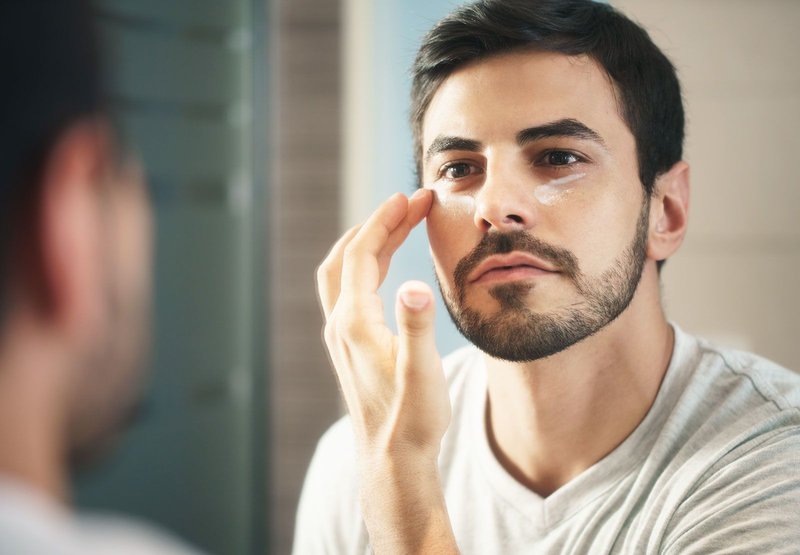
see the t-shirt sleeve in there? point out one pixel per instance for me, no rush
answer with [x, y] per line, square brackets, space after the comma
[750, 504]
[328, 516]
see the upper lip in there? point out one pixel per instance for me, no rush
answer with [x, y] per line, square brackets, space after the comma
[515, 258]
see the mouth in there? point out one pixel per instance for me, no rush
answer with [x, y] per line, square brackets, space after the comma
[510, 267]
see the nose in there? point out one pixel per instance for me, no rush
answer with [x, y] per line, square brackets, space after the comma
[503, 203]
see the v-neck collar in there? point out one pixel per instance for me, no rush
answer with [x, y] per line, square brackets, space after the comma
[547, 512]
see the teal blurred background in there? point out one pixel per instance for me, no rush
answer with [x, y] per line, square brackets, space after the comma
[188, 84]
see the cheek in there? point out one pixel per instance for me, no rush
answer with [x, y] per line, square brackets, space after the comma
[134, 236]
[451, 231]
[599, 231]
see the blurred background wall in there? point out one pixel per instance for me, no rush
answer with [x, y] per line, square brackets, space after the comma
[270, 126]
[304, 222]
[189, 89]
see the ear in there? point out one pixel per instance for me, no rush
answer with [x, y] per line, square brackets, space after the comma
[669, 212]
[69, 230]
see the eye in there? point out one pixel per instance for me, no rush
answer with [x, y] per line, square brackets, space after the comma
[560, 158]
[458, 170]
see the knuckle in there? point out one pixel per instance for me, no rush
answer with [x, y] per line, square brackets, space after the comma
[350, 329]
[417, 324]
[324, 270]
[352, 249]
[329, 332]
[415, 329]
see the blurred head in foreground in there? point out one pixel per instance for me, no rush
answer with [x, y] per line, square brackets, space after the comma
[74, 249]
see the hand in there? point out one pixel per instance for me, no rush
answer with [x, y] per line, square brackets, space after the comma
[393, 386]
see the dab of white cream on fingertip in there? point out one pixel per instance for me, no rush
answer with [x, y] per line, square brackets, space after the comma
[553, 191]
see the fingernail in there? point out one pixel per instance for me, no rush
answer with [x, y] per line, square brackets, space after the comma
[418, 193]
[415, 300]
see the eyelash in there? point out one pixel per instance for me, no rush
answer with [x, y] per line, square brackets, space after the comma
[443, 170]
[540, 161]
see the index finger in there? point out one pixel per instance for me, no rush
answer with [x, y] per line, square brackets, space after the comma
[367, 256]
[329, 273]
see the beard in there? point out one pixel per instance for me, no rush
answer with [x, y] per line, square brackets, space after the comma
[518, 334]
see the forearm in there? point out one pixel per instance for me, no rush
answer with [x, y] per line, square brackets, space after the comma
[404, 508]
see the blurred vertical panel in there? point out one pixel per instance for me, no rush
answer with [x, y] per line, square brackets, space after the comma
[304, 225]
[182, 87]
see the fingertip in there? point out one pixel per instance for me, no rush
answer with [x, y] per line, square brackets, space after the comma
[415, 295]
[419, 193]
[420, 203]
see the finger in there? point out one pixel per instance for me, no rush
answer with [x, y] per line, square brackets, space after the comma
[416, 338]
[329, 273]
[419, 204]
[360, 272]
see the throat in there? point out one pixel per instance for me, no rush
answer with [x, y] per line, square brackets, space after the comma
[550, 420]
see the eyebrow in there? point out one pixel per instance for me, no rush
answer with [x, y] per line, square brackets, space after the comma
[567, 127]
[560, 128]
[445, 143]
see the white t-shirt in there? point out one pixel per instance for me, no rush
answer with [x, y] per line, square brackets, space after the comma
[32, 524]
[713, 467]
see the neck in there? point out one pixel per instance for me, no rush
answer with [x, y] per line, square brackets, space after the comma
[31, 439]
[551, 419]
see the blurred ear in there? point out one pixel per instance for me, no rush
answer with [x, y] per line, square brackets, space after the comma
[69, 229]
[669, 212]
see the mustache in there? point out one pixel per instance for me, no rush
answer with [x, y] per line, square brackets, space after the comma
[503, 243]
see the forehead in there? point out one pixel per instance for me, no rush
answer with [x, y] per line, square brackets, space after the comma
[493, 99]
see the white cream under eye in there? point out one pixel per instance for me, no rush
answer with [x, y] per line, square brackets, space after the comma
[455, 203]
[554, 191]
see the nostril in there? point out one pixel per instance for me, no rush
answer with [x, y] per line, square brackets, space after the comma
[513, 218]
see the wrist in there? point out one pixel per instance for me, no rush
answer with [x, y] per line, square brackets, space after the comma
[403, 505]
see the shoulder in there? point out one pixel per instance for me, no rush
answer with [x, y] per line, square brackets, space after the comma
[329, 515]
[738, 405]
[771, 381]
[739, 429]
[127, 536]
[728, 386]
[32, 523]
[749, 500]
[332, 476]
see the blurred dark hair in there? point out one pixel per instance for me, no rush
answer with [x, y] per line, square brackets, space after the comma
[49, 62]
[51, 78]
[646, 84]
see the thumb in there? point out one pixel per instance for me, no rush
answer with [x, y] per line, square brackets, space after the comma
[415, 311]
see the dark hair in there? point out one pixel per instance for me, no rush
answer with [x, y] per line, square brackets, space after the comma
[50, 67]
[646, 84]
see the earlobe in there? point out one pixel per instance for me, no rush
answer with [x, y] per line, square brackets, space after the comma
[669, 211]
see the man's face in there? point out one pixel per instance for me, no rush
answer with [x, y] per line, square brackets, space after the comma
[109, 385]
[539, 230]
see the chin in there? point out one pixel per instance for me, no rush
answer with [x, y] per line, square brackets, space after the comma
[98, 443]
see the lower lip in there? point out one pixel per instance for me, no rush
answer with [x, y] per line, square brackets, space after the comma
[514, 273]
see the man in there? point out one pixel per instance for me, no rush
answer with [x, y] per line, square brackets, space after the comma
[76, 234]
[548, 137]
